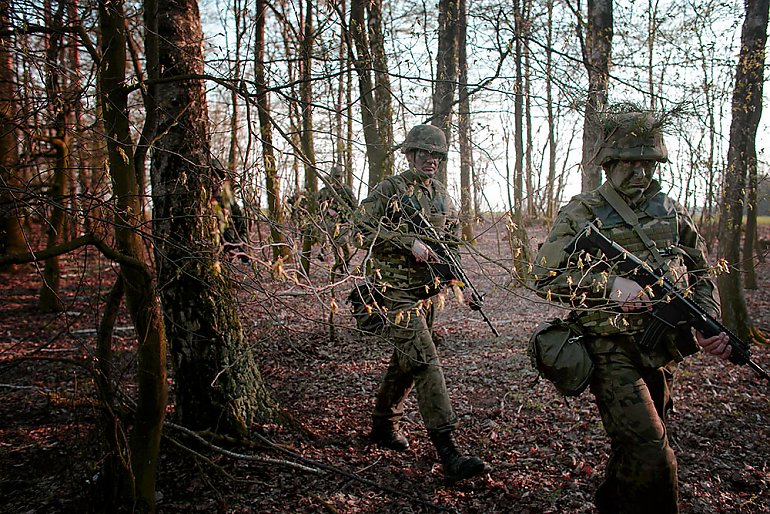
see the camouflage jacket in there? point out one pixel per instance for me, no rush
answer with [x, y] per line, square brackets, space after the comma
[559, 276]
[382, 230]
[338, 202]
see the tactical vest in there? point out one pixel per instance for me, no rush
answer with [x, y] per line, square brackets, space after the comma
[398, 267]
[659, 220]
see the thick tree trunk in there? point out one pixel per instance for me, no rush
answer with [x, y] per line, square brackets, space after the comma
[272, 180]
[383, 112]
[50, 295]
[446, 73]
[140, 294]
[50, 299]
[597, 55]
[11, 235]
[218, 384]
[741, 157]
[751, 235]
[375, 118]
[306, 140]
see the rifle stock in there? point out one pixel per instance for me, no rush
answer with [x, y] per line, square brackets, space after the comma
[449, 267]
[673, 308]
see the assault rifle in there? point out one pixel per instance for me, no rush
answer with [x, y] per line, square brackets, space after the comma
[449, 266]
[672, 308]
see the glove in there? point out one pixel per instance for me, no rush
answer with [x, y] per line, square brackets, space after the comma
[423, 252]
[630, 295]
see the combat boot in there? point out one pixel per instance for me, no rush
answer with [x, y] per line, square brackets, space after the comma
[386, 433]
[456, 466]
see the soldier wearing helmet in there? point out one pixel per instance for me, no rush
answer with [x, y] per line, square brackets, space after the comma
[336, 204]
[400, 270]
[632, 386]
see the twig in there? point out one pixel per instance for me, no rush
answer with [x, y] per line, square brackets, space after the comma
[355, 477]
[240, 456]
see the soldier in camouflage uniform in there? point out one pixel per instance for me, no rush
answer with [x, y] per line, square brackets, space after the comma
[336, 203]
[632, 387]
[400, 268]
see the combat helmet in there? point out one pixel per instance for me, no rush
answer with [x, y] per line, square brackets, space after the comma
[631, 134]
[337, 172]
[425, 137]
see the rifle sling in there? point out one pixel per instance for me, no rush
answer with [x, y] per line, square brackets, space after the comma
[630, 217]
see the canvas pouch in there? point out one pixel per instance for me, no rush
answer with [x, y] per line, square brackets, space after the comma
[558, 352]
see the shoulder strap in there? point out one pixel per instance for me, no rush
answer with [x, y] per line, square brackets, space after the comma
[630, 217]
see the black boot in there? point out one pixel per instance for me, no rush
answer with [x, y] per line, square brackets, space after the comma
[387, 434]
[456, 465]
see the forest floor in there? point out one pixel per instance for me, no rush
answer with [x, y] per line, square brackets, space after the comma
[548, 452]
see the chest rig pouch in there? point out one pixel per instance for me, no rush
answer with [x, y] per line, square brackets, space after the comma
[652, 236]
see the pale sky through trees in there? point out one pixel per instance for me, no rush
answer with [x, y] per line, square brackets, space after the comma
[694, 50]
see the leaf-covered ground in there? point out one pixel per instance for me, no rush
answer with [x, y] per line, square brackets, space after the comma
[548, 453]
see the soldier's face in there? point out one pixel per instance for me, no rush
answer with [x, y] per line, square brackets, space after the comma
[632, 178]
[424, 162]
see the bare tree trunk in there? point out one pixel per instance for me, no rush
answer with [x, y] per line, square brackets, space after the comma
[652, 28]
[550, 187]
[383, 112]
[741, 157]
[341, 107]
[518, 116]
[528, 168]
[751, 236]
[50, 299]
[464, 128]
[272, 180]
[519, 235]
[597, 55]
[218, 383]
[11, 235]
[446, 73]
[137, 279]
[369, 55]
[306, 139]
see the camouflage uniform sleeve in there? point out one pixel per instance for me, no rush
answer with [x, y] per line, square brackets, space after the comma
[559, 275]
[701, 280]
[350, 198]
[372, 225]
[451, 228]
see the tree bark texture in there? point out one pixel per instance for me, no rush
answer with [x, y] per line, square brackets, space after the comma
[60, 107]
[11, 235]
[751, 237]
[597, 56]
[371, 89]
[138, 282]
[218, 384]
[464, 129]
[272, 180]
[446, 73]
[306, 140]
[550, 188]
[741, 158]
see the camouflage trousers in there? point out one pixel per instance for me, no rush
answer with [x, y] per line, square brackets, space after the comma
[641, 475]
[414, 364]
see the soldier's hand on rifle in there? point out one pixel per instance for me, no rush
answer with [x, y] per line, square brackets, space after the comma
[423, 252]
[630, 295]
[717, 345]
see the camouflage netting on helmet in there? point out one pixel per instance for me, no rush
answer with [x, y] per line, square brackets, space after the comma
[631, 134]
[425, 137]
